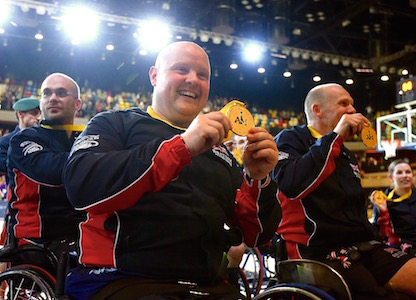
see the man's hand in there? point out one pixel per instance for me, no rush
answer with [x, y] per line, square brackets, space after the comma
[205, 131]
[350, 125]
[261, 154]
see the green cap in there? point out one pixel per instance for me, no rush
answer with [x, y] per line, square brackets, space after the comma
[26, 104]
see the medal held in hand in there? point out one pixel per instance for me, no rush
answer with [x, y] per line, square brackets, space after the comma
[379, 197]
[240, 118]
[369, 137]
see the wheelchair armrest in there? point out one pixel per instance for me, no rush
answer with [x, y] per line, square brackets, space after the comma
[5, 253]
[32, 254]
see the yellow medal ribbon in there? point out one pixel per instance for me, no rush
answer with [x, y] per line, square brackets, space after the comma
[64, 127]
[400, 199]
[154, 115]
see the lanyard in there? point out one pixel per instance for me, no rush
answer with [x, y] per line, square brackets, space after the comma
[64, 127]
[401, 198]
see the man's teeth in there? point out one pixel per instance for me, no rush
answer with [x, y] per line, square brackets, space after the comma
[188, 94]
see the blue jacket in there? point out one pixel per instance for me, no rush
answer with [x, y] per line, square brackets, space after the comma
[319, 190]
[38, 203]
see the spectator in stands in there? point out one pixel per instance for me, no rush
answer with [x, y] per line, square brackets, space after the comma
[322, 200]
[40, 211]
[395, 215]
[28, 114]
[158, 187]
[236, 146]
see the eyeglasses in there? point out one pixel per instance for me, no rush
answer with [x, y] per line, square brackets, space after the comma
[60, 93]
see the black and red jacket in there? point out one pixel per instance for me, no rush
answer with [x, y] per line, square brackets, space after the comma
[319, 190]
[154, 210]
[38, 203]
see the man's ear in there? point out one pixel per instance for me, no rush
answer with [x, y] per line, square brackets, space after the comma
[78, 104]
[316, 110]
[153, 75]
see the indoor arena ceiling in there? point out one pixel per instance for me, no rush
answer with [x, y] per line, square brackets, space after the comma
[339, 37]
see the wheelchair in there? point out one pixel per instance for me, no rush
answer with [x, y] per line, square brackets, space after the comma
[309, 279]
[32, 272]
[293, 279]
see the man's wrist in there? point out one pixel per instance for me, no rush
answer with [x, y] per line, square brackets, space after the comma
[248, 178]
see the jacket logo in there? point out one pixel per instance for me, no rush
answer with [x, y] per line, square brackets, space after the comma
[356, 171]
[283, 155]
[86, 142]
[222, 153]
[30, 147]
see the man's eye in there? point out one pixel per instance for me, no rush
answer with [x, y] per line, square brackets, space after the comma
[61, 92]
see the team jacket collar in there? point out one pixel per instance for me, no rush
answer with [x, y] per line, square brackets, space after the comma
[154, 115]
[314, 133]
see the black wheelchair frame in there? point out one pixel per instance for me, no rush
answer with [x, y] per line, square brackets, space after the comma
[32, 272]
[296, 279]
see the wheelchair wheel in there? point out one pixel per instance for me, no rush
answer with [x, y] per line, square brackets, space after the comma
[26, 282]
[252, 265]
[293, 291]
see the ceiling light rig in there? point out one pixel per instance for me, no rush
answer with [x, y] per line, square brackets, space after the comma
[54, 10]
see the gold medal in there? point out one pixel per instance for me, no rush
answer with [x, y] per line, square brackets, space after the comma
[240, 117]
[369, 137]
[379, 197]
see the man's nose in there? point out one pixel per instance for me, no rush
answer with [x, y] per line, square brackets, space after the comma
[351, 109]
[192, 77]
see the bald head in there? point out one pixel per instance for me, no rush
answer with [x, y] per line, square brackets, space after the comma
[75, 89]
[318, 95]
[166, 52]
[325, 105]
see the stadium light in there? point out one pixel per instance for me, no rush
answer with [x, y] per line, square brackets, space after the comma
[253, 52]
[287, 74]
[81, 24]
[233, 65]
[110, 47]
[153, 35]
[316, 78]
[261, 70]
[384, 78]
[39, 36]
[349, 81]
[4, 12]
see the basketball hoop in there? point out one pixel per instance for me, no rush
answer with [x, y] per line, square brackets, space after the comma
[390, 147]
